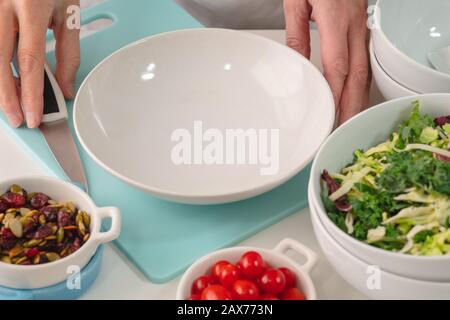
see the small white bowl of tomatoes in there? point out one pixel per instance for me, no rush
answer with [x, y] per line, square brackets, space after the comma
[248, 273]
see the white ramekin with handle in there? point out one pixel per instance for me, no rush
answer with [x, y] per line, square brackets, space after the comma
[276, 257]
[45, 275]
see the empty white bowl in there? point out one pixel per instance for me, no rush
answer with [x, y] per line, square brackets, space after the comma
[48, 274]
[408, 31]
[277, 258]
[370, 279]
[366, 130]
[204, 116]
[389, 88]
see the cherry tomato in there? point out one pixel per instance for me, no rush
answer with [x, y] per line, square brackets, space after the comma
[201, 283]
[252, 264]
[228, 275]
[268, 296]
[217, 268]
[216, 292]
[195, 297]
[245, 290]
[291, 279]
[272, 281]
[292, 294]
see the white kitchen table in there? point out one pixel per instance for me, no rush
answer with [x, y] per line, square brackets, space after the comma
[120, 279]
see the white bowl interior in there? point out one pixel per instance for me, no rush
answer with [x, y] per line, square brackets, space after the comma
[130, 105]
[416, 27]
[275, 259]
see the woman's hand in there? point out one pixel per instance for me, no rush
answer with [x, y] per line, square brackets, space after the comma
[344, 42]
[31, 19]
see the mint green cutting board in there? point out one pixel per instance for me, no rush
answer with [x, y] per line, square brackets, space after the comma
[160, 237]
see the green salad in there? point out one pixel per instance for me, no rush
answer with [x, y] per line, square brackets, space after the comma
[396, 195]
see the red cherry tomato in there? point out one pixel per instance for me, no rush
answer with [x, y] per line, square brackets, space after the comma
[201, 283]
[268, 296]
[216, 292]
[228, 275]
[252, 264]
[292, 294]
[217, 268]
[272, 281]
[195, 297]
[291, 279]
[245, 290]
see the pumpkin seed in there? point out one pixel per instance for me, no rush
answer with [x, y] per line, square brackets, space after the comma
[24, 211]
[42, 219]
[21, 260]
[54, 228]
[50, 238]
[37, 259]
[86, 218]
[6, 259]
[60, 235]
[31, 195]
[69, 228]
[70, 207]
[32, 243]
[16, 189]
[52, 256]
[64, 251]
[16, 227]
[2, 216]
[43, 243]
[16, 251]
[86, 237]
[11, 211]
[82, 228]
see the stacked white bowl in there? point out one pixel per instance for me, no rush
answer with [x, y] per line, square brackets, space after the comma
[378, 273]
[404, 33]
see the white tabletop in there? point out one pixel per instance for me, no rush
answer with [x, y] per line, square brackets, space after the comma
[119, 279]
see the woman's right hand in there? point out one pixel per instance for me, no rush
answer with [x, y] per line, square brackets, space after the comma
[31, 19]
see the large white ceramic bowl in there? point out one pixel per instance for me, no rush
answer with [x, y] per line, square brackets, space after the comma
[45, 275]
[201, 87]
[276, 257]
[368, 129]
[389, 88]
[407, 32]
[370, 279]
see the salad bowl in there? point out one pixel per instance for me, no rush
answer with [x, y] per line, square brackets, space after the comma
[204, 116]
[389, 88]
[364, 131]
[406, 32]
[372, 280]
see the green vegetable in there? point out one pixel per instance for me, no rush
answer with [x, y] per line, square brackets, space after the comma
[399, 190]
[428, 135]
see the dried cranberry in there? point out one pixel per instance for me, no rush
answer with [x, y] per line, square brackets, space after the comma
[43, 232]
[50, 213]
[29, 228]
[31, 253]
[7, 240]
[15, 200]
[440, 121]
[75, 245]
[39, 200]
[63, 218]
[3, 205]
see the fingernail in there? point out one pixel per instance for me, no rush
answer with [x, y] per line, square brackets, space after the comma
[14, 119]
[32, 120]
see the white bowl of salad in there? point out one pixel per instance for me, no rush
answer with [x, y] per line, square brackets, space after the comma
[381, 186]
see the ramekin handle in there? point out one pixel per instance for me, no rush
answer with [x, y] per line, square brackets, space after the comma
[289, 244]
[116, 223]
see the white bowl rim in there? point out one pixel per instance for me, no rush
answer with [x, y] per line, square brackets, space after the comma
[89, 244]
[388, 77]
[314, 182]
[390, 274]
[210, 196]
[303, 275]
[423, 68]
